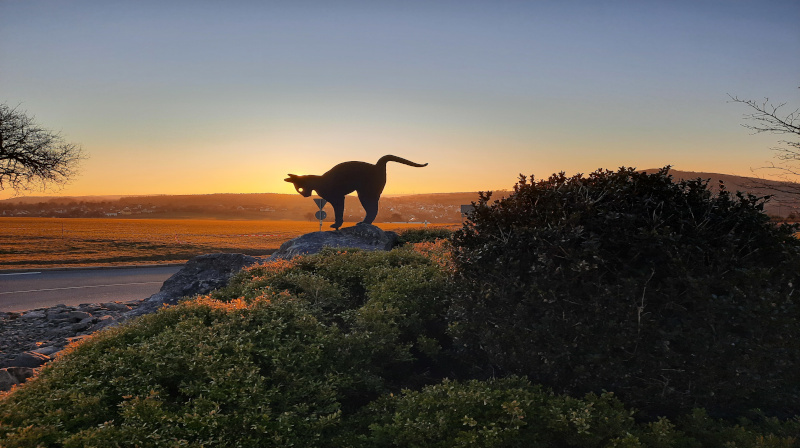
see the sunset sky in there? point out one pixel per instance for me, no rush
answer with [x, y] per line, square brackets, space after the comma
[178, 97]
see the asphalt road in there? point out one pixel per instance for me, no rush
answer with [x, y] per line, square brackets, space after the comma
[29, 290]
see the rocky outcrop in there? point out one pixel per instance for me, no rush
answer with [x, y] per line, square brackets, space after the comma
[31, 339]
[361, 236]
[200, 275]
[206, 273]
[11, 376]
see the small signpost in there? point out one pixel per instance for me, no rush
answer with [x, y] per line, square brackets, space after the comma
[321, 213]
[466, 210]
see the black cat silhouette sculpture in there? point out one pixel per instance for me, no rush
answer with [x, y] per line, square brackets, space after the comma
[366, 179]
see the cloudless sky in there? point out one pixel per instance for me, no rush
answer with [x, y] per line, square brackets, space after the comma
[181, 97]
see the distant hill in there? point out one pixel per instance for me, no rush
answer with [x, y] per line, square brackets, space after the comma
[782, 203]
[64, 199]
[433, 207]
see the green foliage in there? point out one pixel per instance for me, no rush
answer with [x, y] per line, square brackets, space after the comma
[513, 413]
[341, 349]
[666, 294]
[199, 374]
[275, 359]
[757, 430]
[499, 413]
[391, 305]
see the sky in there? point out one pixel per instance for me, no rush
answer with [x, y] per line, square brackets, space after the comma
[196, 97]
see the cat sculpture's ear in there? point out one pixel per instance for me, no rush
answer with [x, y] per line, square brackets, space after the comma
[291, 178]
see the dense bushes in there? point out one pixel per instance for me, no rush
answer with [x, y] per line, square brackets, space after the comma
[392, 306]
[588, 285]
[265, 372]
[625, 281]
[275, 359]
[198, 374]
[501, 413]
[513, 413]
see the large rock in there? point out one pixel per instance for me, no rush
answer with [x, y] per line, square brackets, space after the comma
[200, 275]
[206, 273]
[29, 359]
[361, 236]
[14, 375]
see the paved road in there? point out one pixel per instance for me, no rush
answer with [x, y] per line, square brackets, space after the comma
[25, 291]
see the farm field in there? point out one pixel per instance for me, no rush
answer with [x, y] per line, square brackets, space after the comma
[64, 242]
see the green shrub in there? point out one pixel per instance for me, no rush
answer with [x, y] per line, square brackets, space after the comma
[392, 305]
[506, 413]
[304, 344]
[497, 413]
[666, 294]
[757, 430]
[288, 356]
[199, 374]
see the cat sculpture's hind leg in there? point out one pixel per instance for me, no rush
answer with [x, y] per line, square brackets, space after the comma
[370, 204]
[338, 211]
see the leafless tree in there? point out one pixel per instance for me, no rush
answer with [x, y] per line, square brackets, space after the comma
[31, 157]
[766, 117]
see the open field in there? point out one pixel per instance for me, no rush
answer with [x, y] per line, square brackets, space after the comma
[63, 242]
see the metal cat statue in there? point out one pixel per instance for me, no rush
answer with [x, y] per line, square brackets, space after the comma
[366, 179]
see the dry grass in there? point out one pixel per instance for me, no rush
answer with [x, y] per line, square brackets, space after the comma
[58, 242]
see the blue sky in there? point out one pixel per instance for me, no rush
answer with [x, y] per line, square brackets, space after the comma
[204, 96]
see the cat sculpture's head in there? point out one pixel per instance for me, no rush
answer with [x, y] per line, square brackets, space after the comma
[300, 184]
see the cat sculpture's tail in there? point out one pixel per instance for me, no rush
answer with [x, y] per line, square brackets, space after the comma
[390, 158]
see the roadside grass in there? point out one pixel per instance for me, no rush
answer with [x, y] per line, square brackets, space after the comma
[33, 243]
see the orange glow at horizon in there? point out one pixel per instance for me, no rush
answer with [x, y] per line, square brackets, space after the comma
[255, 170]
[480, 93]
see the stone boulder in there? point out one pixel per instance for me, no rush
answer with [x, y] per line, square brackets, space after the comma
[200, 275]
[206, 273]
[29, 359]
[12, 376]
[361, 236]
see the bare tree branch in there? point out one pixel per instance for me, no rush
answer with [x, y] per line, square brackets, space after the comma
[767, 117]
[32, 157]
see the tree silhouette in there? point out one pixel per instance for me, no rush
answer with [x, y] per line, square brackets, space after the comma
[767, 117]
[32, 157]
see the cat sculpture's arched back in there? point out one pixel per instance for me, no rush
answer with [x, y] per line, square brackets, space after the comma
[366, 179]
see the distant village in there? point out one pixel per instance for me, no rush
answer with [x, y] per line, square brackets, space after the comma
[57, 209]
[433, 208]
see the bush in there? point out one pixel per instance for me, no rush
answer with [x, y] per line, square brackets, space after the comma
[666, 294]
[392, 306]
[498, 413]
[277, 358]
[199, 374]
[512, 412]
[315, 352]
